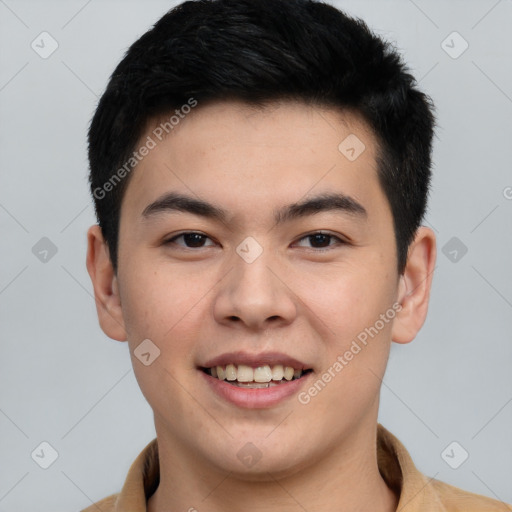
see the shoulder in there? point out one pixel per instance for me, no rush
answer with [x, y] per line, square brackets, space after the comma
[105, 505]
[421, 493]
[458, 500]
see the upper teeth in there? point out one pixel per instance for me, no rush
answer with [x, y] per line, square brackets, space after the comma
[244, 373]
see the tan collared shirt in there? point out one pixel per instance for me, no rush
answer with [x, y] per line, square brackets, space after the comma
[417, 492]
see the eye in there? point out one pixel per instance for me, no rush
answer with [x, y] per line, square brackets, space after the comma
[192, 240]
[322, 239]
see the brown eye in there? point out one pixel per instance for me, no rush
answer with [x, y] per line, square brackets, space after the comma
[192, 240]
[322, 241]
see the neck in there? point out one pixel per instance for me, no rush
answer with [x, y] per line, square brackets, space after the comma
[347, 475]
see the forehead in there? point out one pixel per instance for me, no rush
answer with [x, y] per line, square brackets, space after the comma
[249, 158]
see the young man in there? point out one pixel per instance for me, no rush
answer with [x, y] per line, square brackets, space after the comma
[260, 171]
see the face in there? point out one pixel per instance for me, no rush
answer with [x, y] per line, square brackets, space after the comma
[251, 245]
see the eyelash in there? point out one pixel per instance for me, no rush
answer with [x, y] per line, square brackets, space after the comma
[339, 241]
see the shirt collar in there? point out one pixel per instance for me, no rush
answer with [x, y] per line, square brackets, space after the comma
[395, 465]
[402, 476]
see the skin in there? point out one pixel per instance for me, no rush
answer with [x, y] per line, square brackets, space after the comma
[197, 303]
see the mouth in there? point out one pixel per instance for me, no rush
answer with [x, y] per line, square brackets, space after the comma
[256, 377]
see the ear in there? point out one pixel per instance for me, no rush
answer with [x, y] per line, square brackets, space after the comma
[414, 287]
[104, 281]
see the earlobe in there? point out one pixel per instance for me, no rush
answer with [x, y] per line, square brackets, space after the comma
[414, 286]
[106, 290]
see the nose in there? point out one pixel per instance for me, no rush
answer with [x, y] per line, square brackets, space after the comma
[255, 295]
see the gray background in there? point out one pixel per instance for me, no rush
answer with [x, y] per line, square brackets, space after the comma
[62, 381]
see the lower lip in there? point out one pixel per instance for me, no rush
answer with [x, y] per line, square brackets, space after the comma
[254, 398]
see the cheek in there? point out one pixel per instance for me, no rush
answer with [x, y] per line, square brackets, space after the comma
[348, 297]
[161, 305]
[165, 308]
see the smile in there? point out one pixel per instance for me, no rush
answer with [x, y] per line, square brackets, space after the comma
[264, 376]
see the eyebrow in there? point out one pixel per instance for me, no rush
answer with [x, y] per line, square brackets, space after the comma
[326, 202]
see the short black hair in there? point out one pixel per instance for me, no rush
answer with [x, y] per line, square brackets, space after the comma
[260, 51]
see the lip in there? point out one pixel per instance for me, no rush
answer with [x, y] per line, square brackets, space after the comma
[256, 398]
[255, 360]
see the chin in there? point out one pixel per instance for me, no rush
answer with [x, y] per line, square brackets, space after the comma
[261, 460]
[264, 470]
